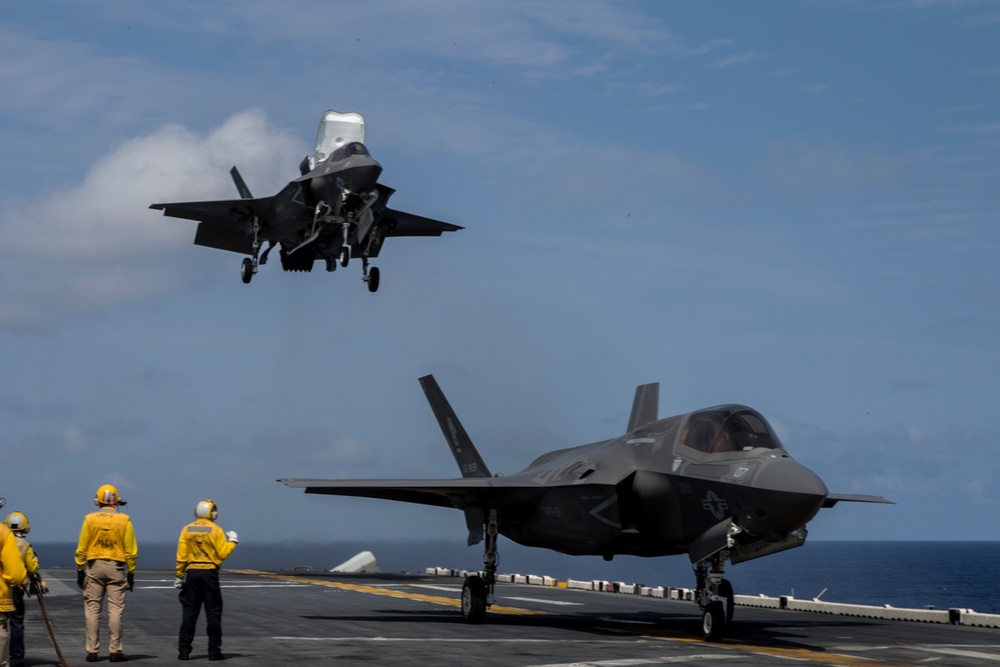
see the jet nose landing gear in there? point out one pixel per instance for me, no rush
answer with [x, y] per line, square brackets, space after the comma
[715, 597]
[474, 599]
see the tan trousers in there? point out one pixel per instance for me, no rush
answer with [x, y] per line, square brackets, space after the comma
[105, 578]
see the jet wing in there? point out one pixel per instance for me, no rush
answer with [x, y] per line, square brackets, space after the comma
[457, 493]
[399, 223]
[225, 224]
[834, 498]
[462, 494]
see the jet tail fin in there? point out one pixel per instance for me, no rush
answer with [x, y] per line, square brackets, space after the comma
[241, 186]
[646, 406]
[466, 455]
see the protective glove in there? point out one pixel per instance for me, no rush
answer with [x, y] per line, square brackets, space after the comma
[79, 578]
[232, 537]
[28, 589]
[36, 586]
[130, 581]
[179, 582]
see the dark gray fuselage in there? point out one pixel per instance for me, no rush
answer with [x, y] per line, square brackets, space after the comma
[648, 493]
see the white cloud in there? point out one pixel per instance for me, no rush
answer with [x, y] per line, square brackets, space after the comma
[526, 35]
[804, 169]
[978, 491]
[709, 46]
[740, 59]
[98, 244]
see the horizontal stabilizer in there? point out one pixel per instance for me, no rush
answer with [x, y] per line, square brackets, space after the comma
[223, 237]
[834, 498]
[466, 455]
[645, 407]
[399, 223]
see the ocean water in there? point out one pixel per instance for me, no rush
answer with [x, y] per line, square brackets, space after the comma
[941, 575]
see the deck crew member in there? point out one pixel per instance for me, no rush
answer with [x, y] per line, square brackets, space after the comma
[200, 551]
[12, 573]
[107, 547]
[19, 525]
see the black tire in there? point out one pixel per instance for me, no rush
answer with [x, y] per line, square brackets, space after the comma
[474, 600]
[373, 278]
[726, 591]
[345, 256]
[246, 270]
[713, 622]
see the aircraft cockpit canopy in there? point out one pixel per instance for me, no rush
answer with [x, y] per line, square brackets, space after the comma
[728, 429]
[337, 129]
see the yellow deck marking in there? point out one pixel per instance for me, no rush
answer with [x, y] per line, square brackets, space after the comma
[817, 657]
[388, 592]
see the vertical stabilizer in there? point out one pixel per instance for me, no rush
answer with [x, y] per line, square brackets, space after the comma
[240, 184]
[466, 455]
[646, 406]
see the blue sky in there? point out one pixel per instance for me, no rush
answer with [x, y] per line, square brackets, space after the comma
[790, 205]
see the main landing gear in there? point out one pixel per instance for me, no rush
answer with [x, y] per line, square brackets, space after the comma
[247, 270]
[715, 597]
[478, 591]
[371, 276]
[249, 265]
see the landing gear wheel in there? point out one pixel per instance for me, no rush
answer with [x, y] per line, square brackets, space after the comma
[345, 256]
[474, 600]
[372, 279]
[726, 591]
[246, 270]
[713, 622]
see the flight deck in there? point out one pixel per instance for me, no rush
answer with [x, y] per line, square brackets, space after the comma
[311, 618]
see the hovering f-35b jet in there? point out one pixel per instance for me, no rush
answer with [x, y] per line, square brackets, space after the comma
[334, 211]
[715, 484]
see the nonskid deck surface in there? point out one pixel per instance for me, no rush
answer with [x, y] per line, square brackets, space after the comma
[319, 618]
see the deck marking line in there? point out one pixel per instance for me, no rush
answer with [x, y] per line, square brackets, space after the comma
[375, 590]
[961, 652]
[560, 603]
[805, 655]
[448, 640]
[630, 662]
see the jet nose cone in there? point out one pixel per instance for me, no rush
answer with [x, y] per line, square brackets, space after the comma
[788, 495]
[790, 476]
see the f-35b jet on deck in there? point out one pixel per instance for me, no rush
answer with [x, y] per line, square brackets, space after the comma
[335, 210]
[715, 484]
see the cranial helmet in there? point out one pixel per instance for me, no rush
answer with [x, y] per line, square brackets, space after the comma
[107, 495]
[17, 522]
[207, 509]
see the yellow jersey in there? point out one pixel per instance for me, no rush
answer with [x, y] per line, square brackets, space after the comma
[202, 546]
[107, 534]
[12, 570]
